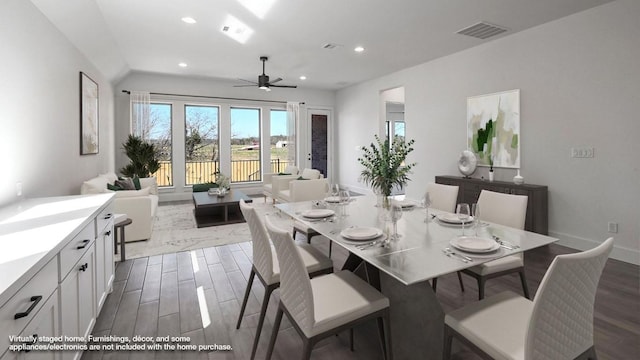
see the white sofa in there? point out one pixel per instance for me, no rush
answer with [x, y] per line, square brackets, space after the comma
[139, 205]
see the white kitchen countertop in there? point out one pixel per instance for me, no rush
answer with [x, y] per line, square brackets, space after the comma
[33, 231]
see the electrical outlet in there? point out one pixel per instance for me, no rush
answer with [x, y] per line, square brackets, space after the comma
[612, 227]
[18, 189]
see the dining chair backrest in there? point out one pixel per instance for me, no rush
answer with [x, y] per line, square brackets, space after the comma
[295, 285]
[305, 190]
[504, 209]
[443, 197]
[561, 325]
[262, 255]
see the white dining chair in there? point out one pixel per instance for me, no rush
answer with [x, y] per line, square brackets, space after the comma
[504, 209]
[443, 197]
[266, 265]
[324, 305]
[306, 190]
[557, 324]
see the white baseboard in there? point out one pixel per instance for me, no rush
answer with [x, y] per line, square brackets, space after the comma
[631, 256]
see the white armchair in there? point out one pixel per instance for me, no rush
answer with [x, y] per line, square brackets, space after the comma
[304, 190]
[268, 180]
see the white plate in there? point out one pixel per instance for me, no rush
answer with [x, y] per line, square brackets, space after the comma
[453, 218]
[474, 244]
[361, 233]
[318, 213]
[332, 199]
[380, 238]
[405, 204]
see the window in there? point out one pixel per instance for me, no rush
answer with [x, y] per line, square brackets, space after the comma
[159, 134]
[201, 144]
[279, 143]
[245, 145]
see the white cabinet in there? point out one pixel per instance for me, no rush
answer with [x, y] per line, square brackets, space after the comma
[45, 323]
[56, 281]
[77, 299]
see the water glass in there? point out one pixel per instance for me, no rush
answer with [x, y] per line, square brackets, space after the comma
[463, 212]
[426, 202]
[344, 196]
[475, 212]
[396, 214]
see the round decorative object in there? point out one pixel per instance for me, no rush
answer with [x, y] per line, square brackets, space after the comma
[467, 163]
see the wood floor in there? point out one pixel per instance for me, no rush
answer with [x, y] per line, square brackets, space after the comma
[198, 294]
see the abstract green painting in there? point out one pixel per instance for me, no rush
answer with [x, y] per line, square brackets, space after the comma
[493, 128]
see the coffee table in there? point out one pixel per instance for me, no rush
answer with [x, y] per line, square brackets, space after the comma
[212, 210]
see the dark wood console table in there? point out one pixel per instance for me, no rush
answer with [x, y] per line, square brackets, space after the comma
[537, 205]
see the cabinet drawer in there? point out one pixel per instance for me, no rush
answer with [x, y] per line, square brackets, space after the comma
[74, 250]
[29, 299]
[104, 219]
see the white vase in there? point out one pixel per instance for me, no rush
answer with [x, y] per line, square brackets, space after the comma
[490, 175]
[518, 180]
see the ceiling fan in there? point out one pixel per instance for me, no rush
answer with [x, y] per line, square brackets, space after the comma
[263, 80]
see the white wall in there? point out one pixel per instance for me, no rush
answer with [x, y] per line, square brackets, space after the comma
[157, 83]
[39, 108]
[579, 84]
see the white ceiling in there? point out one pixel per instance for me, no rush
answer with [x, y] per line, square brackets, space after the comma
[119, 36]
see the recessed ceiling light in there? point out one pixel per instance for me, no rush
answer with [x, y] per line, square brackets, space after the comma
[358, 49]
[182, 64]
[303, 77]
[189, 20]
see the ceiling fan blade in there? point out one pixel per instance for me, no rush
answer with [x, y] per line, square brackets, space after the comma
[249, 81]
[275, 81]
[285, 86]
[252, 85]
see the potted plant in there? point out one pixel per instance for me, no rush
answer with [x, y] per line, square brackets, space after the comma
[143, 156]
[385, 167]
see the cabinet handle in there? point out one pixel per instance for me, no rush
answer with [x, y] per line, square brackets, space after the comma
[108, 216]
[35, 299]
[107, 233]
[84, 267]
[84, 244]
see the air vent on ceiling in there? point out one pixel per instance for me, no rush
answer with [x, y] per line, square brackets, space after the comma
[482, 30]
[330, 46]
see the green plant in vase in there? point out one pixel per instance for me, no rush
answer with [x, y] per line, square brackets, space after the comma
[143, 156]
[385, 167]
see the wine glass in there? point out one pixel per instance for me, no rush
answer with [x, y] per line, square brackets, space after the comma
[463, 214]
[344, 196]
[396, 214]
[335, 190]
[475, 212]
[426, 202]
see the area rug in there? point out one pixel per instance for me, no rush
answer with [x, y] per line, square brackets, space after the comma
[175, 230]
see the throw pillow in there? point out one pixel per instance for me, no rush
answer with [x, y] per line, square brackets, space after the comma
[114, 187]
[204, 187]
[151, 183]
[136, 182]
[125, 184]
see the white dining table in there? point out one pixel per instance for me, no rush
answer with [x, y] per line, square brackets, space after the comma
[402, 267]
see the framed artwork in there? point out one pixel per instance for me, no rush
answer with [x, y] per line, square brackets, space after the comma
[493, 128]
[88, 115]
